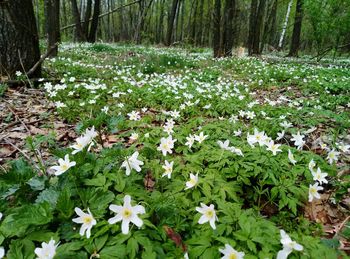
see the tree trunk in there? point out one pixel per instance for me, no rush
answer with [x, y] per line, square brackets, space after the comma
[171, 22]
[87, 17]
[194, 23]
[79, 34]
[200, 24]
[259, 21]
[94, 22]
[280, 43]
[216, 29]
[252, 23]
[272, 21]
[141, 21]
[159, 34]
[53, 25]
[19, 41]
[228, 36]
[294, 47]
[269, 24]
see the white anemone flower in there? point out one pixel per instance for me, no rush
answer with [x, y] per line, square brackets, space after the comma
[312, 165]
[224, 145]
[288, 245]
[132, 163]
[274, 148]
[291, 157]
[230, 253]
[333, 156]
[313, 191]
[82, 142]
[2, 252]
[298, 140]
[190, 141]
[127, 214]
[201, 137]
[63, 166]
[168, 167]
[87, 221]
[166, 145]
[208, 215]
[47, 250]
[319, 176]
[192, 182]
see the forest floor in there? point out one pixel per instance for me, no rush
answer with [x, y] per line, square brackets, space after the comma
[282, 123]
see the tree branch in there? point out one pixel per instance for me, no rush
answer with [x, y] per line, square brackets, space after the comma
[101, 15]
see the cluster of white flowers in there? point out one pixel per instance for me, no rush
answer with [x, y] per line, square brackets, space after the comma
[263, 140]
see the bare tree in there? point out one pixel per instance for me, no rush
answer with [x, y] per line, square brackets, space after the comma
[228, 33]
[216, 29]
[280, 43]
[19, 41]
[53, 25]
[255, 26]
[79, 34]
[171, 20]
[294, 47]
[94, 22]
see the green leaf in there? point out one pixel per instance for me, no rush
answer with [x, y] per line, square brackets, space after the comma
[16, 223]
[21, 249]
[117, 251]
[100, 242]
[100, 201]
[99, 181]
[48, 195]
[42, 236]
[132, 247]
[37, 183]
[70, 247]
[65, 204]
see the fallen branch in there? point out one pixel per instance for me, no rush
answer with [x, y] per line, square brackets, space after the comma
[18, 122]
[24, 154]
[35, 81]
[324, 52]
[17, 117]
[101, 15]
[41, 60]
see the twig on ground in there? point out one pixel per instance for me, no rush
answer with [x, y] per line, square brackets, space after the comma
[341, 226]
[24, 154]
[18, 118]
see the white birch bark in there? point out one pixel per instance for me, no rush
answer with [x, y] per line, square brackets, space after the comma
[285, 24]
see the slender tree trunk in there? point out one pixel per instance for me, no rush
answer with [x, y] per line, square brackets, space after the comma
[208, 28]
[194, 22]
[19, 41]
[272, 21]
[79, 34]
[228, 36]
[176, 35]
[270, 14]
[294, 47]
[53, 24]
[182, 25]
[87, 17]
[159, 34]
[171, 22]
[252, 27]
[94, 22]
[141, 21]
[256, 50]
[280, 43]
[200, 24]
[216, 29]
